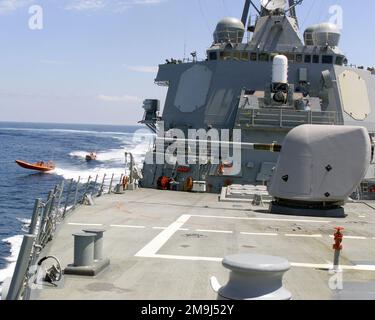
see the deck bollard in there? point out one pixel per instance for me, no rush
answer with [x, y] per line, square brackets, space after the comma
[84, 249]
[88, 254]
[119, 189]
[98, 242]
[253, 277]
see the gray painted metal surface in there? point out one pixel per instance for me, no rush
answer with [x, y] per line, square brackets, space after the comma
[195, 251]
[238, 77]
[255, 277]
[20, 270]
[84, 249]
[98, 242]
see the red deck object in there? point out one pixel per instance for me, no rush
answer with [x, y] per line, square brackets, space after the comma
[183, 169]
[163, 183]
[338, 236]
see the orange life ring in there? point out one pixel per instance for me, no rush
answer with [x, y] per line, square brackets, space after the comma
[125, 182]
[163, 183]
[220, 171]
[188, 186]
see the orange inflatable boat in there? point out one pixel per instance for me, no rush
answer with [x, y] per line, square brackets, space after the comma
[38, 166]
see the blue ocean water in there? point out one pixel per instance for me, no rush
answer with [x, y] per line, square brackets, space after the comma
[67, 146]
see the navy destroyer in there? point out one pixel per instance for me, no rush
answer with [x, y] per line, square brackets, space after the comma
[281, 128]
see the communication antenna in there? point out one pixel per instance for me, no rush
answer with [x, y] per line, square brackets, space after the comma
[272, 5]
[246, 10]
[292, 8]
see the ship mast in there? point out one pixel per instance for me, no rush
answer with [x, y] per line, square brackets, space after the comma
[292, 10]
[246, 10]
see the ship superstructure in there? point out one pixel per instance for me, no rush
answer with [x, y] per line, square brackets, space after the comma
[237, 87]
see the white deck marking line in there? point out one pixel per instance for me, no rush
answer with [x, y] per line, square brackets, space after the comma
[190, 258]
[84, 224]
[259, 234]
[263, 219]
[163, 228]
[162, 238]
[126, 226]
[214, 231]
[293, 264]
[351, 237]
[304, 235]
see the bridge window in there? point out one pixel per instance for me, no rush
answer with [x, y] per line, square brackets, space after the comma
[236, 55]
[213, 56]
[327, 59]
[299, 58]
[224, 55]
[253, 56]
[316, 58]
[339, 60]
[290, 57]
[308, 58]
[245, 56]
[264, 57]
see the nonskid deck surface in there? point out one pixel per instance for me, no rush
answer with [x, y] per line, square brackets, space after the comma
[167, 245]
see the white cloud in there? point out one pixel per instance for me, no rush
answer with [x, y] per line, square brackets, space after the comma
[143, 69]
[124, 98]
[7, 6]
[116, 6]
[80, 5]
[54, 62]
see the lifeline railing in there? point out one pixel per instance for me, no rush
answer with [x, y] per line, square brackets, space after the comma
[62, 200]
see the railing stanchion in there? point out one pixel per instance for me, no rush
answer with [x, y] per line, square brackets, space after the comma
[76, 193]
[61, 191]
[35, 216]
[96, 181]
[18, 279]
[67, 197]
[110, 185]
[102, 186]
[86, 188]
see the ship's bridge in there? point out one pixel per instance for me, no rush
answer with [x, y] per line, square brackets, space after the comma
[273, 35]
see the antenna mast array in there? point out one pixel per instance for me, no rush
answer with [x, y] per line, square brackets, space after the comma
[269, 4]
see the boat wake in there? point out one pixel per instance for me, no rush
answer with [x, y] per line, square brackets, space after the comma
[73, 165]
[109, 162]
[15, 244]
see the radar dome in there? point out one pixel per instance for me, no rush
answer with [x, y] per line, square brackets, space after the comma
[229, 30]
[324, 34]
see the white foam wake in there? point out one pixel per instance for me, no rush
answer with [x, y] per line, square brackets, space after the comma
[15, 246]
[69, 131]
[25, 224]
[112, 161]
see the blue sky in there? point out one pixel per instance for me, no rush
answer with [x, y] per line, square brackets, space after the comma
[94, 61]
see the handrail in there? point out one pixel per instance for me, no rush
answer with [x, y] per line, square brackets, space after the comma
[284, 118]
[45, 219]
